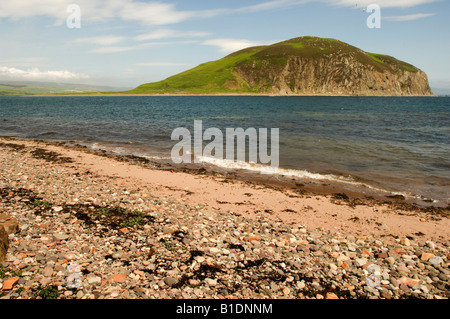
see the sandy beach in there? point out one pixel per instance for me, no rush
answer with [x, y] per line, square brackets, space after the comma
[241, 231]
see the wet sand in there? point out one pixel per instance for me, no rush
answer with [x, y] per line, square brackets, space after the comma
[315, 206]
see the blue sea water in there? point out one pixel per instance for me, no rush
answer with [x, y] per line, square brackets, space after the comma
[399, 144]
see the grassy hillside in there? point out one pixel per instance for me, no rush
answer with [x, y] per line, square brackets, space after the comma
[221, 77]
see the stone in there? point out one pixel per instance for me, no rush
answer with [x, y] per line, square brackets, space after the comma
[48, 271]
[9, 283]
[93, 279]
[399, 251]
[211, 282]
[436, 260]
[360, 261]
[382, 255]
[403, 268]
[118, 277]
[423, 288]
[426, 256]
[60, 236]
[390, 260]
[170, 281]
[4, 243]
[8, 222]
[215, 250]
[405, 241]
[408, 282]
[331, 295]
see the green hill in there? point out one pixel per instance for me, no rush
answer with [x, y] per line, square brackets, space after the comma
[305, 65]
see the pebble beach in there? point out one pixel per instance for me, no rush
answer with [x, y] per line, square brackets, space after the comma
[85, 226]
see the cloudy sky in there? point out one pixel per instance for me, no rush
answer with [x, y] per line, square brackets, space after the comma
[129, 42]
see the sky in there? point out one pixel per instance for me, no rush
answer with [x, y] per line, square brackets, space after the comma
[125, 43]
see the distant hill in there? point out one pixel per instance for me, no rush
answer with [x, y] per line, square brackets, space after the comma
[33, 88]
[441, 92]
[305, 65]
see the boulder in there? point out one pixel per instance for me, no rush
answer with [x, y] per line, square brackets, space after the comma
[9, 223]
[4, 243]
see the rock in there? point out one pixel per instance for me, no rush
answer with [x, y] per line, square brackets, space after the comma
[386, 294]
[10, 224]
[93, 279]
[360, 261]
[48, 271]
[118, 277]
[211, 282]
[60, 236]
[80, 294]
[426, 256]
[170, 281]
[390, 260]
[214, 250]
[331, 295]
[436, 260]
[9, 283]
[423, 288]
[382, 255]
[4, 243]
[403, 268]
[408, 282]
[405, 241]
[399, 251]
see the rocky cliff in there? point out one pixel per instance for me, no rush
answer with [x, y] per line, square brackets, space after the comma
[306, 65]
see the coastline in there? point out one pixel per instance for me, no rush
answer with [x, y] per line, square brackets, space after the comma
[286, 200]
[98, 94]
[69, 176]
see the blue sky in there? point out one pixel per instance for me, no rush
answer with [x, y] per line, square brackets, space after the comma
[129, 42]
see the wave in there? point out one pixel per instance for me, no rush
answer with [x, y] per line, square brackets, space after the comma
[304, 174]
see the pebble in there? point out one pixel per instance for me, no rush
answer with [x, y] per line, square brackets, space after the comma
[185, 251]
[436, 260]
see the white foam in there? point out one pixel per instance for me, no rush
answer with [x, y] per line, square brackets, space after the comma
[277, 171]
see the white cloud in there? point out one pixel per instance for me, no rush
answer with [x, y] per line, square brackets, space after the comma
[116, 49]
[23, 61]
[113, 49]
[410, 17]
[231, 45]
[271, 5]
[170, 33]
[143, 12]
[159, 13]
[381, 3]
[37, 75]
[102, 40]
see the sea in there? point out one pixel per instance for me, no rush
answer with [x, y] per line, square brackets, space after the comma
[390, 145]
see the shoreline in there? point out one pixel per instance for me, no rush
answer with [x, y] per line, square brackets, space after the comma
[284, 190]
[138, 232]
[99, 94]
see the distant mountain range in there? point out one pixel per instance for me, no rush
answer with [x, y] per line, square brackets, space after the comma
[440, 91]
[33, 88]
[305, 65]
